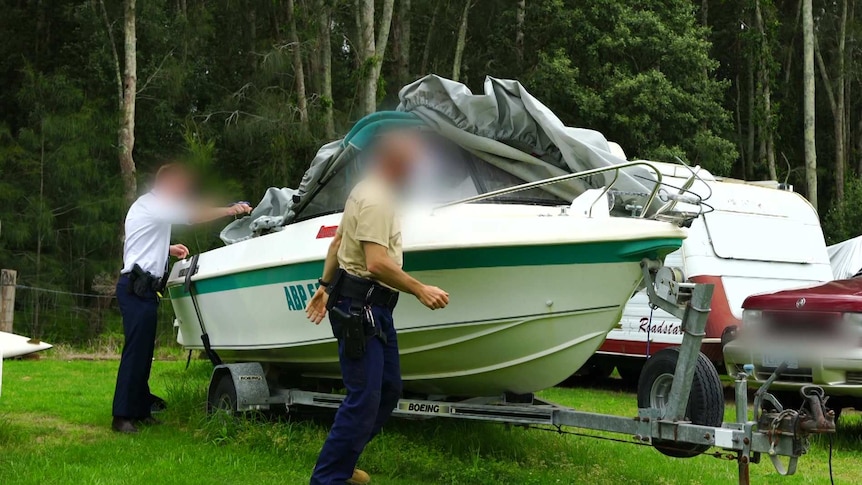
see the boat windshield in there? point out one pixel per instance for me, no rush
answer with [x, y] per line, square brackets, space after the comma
[447, 173]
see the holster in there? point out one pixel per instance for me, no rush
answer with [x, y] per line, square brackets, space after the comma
[350, 329]
[143, 284]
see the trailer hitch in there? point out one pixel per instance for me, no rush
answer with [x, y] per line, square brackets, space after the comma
[820, 419]
[779, 425]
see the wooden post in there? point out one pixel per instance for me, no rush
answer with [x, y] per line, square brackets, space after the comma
[8, 280]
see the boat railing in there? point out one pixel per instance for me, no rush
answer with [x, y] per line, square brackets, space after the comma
[570, 176]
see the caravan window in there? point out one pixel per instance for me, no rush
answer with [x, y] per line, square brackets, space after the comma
[759, 237]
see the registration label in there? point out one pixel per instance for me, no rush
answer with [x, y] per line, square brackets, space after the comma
[775, 360]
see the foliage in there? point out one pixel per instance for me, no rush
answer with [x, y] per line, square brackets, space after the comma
[216, 87]
[843, 221]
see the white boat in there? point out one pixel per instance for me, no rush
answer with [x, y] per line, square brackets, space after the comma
[536, 280]
[12, 345]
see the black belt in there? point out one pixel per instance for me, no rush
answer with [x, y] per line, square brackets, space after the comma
[346, 285]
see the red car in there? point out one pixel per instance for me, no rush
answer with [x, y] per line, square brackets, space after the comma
[816, 330]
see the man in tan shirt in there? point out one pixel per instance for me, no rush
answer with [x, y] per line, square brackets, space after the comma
[361, 279]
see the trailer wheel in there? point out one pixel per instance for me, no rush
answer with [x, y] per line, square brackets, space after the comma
[223, 396]
[705, 404]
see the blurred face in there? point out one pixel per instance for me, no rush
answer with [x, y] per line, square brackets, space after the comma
[396, 156]
[175, 183]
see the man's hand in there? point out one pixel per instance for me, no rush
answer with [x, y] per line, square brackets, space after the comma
[238, 209]
[179, 251]
[432, 297]
[316, 309]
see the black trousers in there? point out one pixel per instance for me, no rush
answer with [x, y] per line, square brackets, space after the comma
[132, 397]
[373, 385]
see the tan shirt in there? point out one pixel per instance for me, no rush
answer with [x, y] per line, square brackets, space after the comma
[369, 216]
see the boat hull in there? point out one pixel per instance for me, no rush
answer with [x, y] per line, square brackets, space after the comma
[509, 336]
[521, 318]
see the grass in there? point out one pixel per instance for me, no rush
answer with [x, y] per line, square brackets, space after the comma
[55, 415]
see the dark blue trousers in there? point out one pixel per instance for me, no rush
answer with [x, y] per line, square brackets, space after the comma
[132, 395]
[373, 385]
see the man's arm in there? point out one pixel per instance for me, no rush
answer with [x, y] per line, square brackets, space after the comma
[316, 309]
[383, 269]
[207, 214]
[330, 264]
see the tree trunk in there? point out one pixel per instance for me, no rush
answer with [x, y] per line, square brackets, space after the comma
[372, 50]
[808, 96]
[461, 42]
[401, 44]
[767, 139]
[426, 53]
[382, 40]
[325, 49]
[752, 127]
[298, 70]
[835, 94]
[368, 87]
[840, 110]
[127, 121]
[740, 139]
[520, 15]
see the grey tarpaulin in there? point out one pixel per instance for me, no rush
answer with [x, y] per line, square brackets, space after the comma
[505, 126]
[846, 258]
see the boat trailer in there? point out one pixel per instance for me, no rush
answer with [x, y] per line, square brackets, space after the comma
[774, 430]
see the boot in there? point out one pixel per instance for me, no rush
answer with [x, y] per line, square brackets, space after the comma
[359, 478]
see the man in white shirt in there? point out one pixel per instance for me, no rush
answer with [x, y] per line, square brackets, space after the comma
[145, 263]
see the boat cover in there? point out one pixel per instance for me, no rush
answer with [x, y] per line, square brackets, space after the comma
[505, 126]
[846, 258]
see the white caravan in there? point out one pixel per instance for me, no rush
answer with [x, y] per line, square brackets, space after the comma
[759, 237]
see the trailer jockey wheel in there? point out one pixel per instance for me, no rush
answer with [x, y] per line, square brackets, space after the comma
[222, 396]
[705, 404]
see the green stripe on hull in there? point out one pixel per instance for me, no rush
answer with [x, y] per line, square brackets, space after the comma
[460, 258]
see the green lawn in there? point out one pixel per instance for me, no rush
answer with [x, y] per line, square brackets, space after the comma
[55, 415]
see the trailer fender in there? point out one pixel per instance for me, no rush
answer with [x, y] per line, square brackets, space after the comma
[250, 389]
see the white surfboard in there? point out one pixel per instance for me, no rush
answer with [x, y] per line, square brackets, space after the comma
[12, 345]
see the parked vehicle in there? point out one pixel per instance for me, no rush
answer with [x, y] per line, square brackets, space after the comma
[760, 237]
[816, 330]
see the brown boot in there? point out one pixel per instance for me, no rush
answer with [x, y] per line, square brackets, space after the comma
[359, 478]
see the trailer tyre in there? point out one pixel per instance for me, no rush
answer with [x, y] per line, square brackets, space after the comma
[223, 396]
[705, 404]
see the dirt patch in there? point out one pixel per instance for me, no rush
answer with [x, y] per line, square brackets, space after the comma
[42, 429]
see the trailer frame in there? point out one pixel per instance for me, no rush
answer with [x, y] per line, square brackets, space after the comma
[777, 432]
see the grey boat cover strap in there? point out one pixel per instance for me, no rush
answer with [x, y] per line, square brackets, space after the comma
[505, 126]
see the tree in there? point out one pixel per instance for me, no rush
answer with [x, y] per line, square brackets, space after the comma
[520, 15]
[371, 50]
[836, 95]
[767, 141]
[298, 71]
[324, 31]
[808, 101]
[401, 44]
[461, 42]
[130, 86]
[432, 25]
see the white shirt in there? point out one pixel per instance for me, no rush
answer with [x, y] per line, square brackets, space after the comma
[148, 232]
